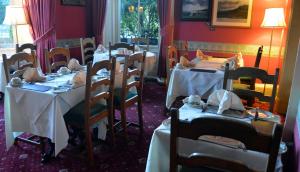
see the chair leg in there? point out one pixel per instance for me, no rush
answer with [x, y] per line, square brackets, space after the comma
[42, 145]
[123, 121]
[89, 146]
[111, 127]
[140, 114]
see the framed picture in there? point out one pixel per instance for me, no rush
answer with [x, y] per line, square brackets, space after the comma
[73, 2]
[195, 10]
[233, 13]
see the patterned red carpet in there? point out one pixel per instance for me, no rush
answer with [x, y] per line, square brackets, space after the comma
[131, 157]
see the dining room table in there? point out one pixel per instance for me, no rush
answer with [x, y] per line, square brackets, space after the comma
[2, 77]
[159, 149]
[150, 67]
[38, 108]
[201, 79]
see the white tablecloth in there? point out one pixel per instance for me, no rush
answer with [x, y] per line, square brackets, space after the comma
[150, 61]
[159, 150]
[184, 82]
[2, 77]
[41, 113]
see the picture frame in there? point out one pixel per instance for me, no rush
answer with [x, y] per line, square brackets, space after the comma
[195, 10]
[232, 13]
[73, 2]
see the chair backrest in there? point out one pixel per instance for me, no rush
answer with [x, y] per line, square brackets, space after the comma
[92, 94]
[18, 63]
[258, 56]
[186, 49]
[120, 45]
[172, 57]
[134, 66]
[253, 73]
[88, 46]
[29, 46]
[141, 41]
[57, 57]
[224, 127]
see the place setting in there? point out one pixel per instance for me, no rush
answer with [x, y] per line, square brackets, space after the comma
[66, 78]
[224, 103]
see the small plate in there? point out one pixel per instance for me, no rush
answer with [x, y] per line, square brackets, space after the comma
[261, 113]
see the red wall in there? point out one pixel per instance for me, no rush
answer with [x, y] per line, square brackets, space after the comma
[199, 31]
[70, 23]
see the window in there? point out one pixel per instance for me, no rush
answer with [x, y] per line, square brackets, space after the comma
[139, 18]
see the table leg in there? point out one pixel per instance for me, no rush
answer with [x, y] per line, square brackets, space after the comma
[47, 154]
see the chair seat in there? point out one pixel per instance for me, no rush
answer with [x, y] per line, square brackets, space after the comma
[117, 96]
[76, 114]
[238, 86]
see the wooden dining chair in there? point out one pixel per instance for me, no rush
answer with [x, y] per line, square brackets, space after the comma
[24, 47]
[253, 73]
[247, 81]
[120, 45]
[185, 46]
[172, 60]
[250, 135]
[89, 112]
[88, 47]
[124, 97]
[16, 65]
[141, 42]
[56, 58]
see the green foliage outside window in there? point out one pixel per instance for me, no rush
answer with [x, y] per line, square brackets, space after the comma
[139, 23]
[6, 36]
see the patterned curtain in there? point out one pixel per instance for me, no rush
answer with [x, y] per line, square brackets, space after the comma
[41, 18]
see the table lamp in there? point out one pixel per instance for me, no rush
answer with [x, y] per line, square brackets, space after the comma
[274, 18]
[15, 16]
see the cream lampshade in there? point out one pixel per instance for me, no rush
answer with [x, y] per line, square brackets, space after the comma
[15, 16]
[274, 18]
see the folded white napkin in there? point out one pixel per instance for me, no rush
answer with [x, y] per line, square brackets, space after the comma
[64, 70]
[74, 65]
[101, 48]
[225, 100]
[200, 54]
[33, 75]
[79, 79]
[185, 62]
